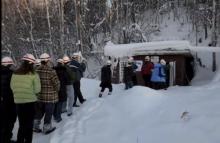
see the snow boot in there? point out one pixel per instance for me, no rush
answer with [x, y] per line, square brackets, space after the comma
[48, 129]
[37, 130]
[100, 95]
[58, 120]
[12, 141]
[37, 126]
[69, 114]
[76, 105]
[83, 101]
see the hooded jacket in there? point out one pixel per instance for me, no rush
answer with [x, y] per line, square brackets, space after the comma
[158, 74]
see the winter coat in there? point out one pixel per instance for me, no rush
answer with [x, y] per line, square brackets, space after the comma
[128, 73]
[158, 74]
[25, 87]
[78, 68]
[50, 84]
[71, 74]
[6, 92]
[7, 105]
[63, 78]
[134, 66]
[146, 68]
[106, 76]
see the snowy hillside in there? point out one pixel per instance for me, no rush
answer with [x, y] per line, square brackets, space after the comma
[141, 115]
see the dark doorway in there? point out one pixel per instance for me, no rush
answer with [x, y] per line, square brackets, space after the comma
[189, 71]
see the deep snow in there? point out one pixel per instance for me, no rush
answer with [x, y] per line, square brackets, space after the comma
[141, 115]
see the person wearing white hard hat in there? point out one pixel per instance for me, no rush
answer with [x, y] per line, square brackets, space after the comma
[62, 95]
[134, 68]
[66, 59]
[158, 77]
[106, 78]
[7, 108]
[75, 56]
[79, 69]
[128, 73]
[69, 86]
[146, 71]
[37, 63]
[25, 84]
[44, 57]
[48, 96]
[7, 61]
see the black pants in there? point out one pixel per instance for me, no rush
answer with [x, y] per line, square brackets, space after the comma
[147, 81]
[159, 85]
[77, 92]
[7, 120]
[104, 85]
[134, 79]
[58, 110]
[128, 85]
[25, 113]
[45, 110]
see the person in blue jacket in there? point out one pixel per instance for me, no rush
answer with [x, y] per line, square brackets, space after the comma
[158, 77]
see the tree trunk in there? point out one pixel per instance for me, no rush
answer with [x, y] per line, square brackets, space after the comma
[133, 12]
[213, 61]
[79, 41]
[31, 30]
[61, 27]
[206, 30]
[214, 36]
[49, 29]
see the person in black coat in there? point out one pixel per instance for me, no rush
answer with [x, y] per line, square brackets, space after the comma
[79, 69]
[106, 78]
[128, 74]
[62, 75]
[7, 105]
[134, 68]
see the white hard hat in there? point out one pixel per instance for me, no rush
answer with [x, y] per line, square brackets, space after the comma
[30, 58]
[162, 62]
[7, 61]
[66, 59]
[75, 55]
[131, 59]
[60, 61]
[44, 57]
[109, 62]
[147, 58]
[37, 62]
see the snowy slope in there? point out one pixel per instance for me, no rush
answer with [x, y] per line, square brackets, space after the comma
[141, 115]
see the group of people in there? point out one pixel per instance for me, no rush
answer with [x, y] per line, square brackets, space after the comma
[154, 75]
[36, 90]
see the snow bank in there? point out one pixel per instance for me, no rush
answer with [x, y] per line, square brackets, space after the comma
[141, 115]
[123, 50]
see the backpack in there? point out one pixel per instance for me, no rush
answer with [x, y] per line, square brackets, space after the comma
[71, 73]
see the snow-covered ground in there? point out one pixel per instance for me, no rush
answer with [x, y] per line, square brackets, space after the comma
[141, 115]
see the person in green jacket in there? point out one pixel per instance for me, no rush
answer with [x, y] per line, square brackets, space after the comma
[25, 84]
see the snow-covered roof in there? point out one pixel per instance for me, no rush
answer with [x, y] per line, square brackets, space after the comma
[150, 48]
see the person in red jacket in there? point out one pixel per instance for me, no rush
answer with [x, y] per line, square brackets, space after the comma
[146, 71]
